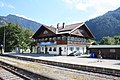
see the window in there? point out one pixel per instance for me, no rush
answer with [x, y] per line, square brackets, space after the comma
[50, 39]
[77, 48]
[72, 38]
[71, 48]
[63, 38]
[112, 50]
[50, 49]
[58, 38]
[42, 48]
[54, 49]
[81, 30]
[54, 38]
[46, 39]
[81, 39]
[84, 40]
[64, 49]
[45, 32]
[42, 39]
[76, 39]
[68, 38]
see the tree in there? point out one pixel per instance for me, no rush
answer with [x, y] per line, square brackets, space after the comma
[91, 41]
[107, 41]
[117, 40]
[27, 38]
[15, 36]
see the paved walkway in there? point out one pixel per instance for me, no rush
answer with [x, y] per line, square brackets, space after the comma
[106, 63]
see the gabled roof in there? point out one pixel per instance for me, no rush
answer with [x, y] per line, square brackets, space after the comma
[51, 28]
[38, 32]
[72, 29]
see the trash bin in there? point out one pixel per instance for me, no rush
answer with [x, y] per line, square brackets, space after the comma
[92, 55]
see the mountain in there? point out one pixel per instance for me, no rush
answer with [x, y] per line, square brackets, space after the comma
[20, 21]
[102, 26]
[105, 25]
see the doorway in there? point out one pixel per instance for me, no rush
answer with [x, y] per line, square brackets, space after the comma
[60, 51]
[46, 50]
[38, 50]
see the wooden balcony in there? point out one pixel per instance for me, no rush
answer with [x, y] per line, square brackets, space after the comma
[76, 42]
[61, 41]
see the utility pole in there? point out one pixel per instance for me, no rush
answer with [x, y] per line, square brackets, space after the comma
[4, 39]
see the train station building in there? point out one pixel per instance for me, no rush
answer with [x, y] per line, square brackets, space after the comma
[63, 40]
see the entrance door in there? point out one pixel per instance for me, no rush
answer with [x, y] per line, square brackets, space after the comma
[60, 51]
[46, 50]
[38, 50]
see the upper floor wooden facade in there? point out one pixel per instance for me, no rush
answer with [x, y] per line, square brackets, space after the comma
[67, 34]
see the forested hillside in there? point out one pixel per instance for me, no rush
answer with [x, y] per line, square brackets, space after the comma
[20, 21]
[105, 25]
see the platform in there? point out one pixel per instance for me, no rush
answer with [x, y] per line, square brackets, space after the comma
[106, 63]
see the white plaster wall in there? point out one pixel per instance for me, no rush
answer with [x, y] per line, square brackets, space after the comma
[42, 49]
[65, 49]
[53, 52]
[82, 49]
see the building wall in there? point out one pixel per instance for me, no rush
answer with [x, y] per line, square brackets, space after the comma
[65, 49]
[81, 49]
[54, 49]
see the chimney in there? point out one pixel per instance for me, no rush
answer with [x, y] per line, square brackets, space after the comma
[57, 29]
[58, 25]
[63, 25]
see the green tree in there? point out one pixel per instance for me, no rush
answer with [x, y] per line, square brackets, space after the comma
[91, 41]
[107, 41]
[27, 38]
[117, 40]
[15, 36]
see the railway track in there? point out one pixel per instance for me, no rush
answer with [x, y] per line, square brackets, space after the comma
[66, 68]
[10, 72]
[93, 69]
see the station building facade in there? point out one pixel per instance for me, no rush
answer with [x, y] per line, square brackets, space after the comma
[62, 40]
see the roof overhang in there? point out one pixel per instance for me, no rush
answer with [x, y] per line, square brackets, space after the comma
[103, 46]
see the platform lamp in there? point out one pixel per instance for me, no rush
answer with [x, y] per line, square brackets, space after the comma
[4, 40]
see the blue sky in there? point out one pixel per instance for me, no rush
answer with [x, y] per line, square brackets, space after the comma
[51, 12]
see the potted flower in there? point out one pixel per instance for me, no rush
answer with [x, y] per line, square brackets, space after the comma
[58, 40]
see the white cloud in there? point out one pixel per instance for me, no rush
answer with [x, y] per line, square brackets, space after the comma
[96, 7]
[6, 5]
[10, 6]
[103, 6]
[71, 1]
[81, 6]
[76, 22]
[1, 4]
[23, 16]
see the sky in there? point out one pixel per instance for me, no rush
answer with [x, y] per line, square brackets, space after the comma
[51, 12]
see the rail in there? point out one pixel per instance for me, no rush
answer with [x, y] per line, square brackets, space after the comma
[25, 74]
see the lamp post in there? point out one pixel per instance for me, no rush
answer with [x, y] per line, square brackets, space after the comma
[22, 46]
[4, 40]
[1, 49]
